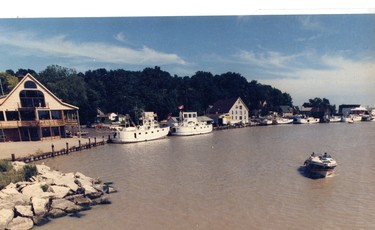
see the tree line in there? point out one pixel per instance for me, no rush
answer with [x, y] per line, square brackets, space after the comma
[152, 89]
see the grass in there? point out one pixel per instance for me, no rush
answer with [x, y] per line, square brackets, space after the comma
[9, 175]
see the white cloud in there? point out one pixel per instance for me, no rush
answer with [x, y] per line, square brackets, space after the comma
[120, 37]
[61, 46]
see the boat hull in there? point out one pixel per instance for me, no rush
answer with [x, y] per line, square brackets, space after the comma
[134, 136]
[191, 130]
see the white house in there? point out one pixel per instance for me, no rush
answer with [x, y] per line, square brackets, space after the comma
[229, 112]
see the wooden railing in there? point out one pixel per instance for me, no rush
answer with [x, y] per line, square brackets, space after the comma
[41, 123]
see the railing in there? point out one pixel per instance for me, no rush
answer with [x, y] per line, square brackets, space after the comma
[41, 123]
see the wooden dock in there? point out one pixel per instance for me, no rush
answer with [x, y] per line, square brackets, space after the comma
[67, 150]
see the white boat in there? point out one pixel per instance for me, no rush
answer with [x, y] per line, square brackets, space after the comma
[283, 120]
[189, 124]
[265, 121]
[148, 130]
[305, 120]
[351, 118]
[335, 119]
[321, 165]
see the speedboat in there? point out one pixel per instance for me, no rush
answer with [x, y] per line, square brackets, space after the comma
[148, 130]
[321, 165]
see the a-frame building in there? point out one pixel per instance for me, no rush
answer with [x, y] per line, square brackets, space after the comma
[30, 112]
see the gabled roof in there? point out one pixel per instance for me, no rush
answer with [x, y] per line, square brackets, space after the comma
[223, 106]
[30, 77]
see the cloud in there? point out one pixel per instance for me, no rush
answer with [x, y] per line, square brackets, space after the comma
[120, 37]
[61, 46]
[310, 23]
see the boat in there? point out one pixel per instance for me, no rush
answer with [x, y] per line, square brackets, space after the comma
[265, 121]
[189, 124]
[334, 119]
[283, 120]
[149, 129]
[321, 165]
[305, 120]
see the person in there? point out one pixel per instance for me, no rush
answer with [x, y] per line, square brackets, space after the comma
[313, 154]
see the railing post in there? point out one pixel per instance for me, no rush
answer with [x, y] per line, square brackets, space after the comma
[67, 147]
[13, 157]
[53, 150]
[79, 145]
[89, 143]
[94, 141]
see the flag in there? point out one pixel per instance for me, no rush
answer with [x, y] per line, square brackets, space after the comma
[181, 107]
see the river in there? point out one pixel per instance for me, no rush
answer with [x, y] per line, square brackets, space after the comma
[246, 178]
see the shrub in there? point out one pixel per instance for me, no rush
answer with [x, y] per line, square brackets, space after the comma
[5, 166]
[29, 171]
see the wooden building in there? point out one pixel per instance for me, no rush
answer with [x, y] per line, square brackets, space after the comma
[229, 112]
[30, 112]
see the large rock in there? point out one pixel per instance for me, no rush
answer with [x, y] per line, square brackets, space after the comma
[6, 215]
[65, 205]
[11, 200]
[24, 210]
[40, 205]
[21, 223]
[67, 180]
[60, 191]
[18, 165]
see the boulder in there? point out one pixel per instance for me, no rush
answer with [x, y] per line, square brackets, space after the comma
[21, 223]
[60, 191]
[24, 210]
[43, 168]
[6, 216]
[65, 205]
[67, 181]
[18, 165]
[56, 213]
[33, 189]
[40, 205]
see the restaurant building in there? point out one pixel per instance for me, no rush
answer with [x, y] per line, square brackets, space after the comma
[30, 112]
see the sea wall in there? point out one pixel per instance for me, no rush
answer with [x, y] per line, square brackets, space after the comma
[49, 194]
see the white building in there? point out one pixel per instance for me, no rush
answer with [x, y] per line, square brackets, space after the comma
[229, 112]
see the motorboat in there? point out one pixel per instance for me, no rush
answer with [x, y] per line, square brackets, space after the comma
[148, 129]
[189, 124]
[305, 120]
[335, 119]
[283, 120]
[321, 165]
[265, 121]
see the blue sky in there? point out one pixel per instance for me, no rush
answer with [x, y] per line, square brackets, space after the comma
[307, 56]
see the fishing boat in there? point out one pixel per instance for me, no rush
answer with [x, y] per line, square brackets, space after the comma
[189, 124]
[148, 129]
[305, 120]
[321, 165]
[283, 121]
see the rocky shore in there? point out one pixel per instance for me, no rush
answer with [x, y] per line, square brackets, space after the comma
[49, 194]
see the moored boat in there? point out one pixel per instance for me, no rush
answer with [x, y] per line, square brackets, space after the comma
[190, 125]
[321, 165]
[149, 129]
[305, 120]
[283, 121]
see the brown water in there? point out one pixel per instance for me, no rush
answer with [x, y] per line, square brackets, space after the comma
[246, 178]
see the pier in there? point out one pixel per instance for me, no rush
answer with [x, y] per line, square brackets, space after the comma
[67, 150]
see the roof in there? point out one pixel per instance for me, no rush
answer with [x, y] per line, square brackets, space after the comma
[222, 106]
[286, 109]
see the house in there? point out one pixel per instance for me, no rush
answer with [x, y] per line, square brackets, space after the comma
[30, 112]
[229, 112]
[286, 111]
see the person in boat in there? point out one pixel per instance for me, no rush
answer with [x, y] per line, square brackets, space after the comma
[313, 154]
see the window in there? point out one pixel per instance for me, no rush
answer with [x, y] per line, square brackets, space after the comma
[56, 114]
[2, 118]
[12, 115]
[44, 115]
[46, 132]
[55, 131]
[27, 115]
[29, 85]
[32, 98]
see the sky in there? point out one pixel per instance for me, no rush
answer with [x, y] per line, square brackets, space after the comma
[310, 55]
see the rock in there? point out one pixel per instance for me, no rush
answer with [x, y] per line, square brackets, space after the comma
[67, 181]
[101, 200]
[18, 165]
[21, 223]
[60, 191]
[40, 205]
[65, 205]
[24, 210]
[43, 169]
[9, 201]
[56, 213]
[33, 189]
[6, 216]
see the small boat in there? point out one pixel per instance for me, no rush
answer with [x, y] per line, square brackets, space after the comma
[283, 121]
[321, 165]
[265, 121]
[335, 119]
[305, 120]
[190, 125]
[148, 130]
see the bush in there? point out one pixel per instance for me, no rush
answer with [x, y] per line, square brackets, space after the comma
[29, 171]
[5, 166]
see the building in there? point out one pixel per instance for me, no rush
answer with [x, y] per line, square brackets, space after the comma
[30, 112]
[229, 112]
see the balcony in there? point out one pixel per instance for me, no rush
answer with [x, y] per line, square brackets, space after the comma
[35, 123]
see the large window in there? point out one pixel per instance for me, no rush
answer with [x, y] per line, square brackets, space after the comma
[2, 118]
[27, 115]
[32, 98]
[44, 115]
[12, 115]
[56, 114]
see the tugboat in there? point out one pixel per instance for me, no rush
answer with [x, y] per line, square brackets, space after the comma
[321, 165]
